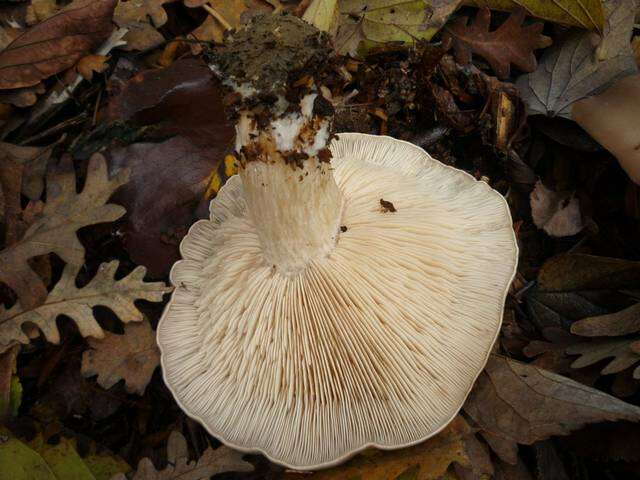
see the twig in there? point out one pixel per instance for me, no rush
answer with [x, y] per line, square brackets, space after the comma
[215, 14]
[55, 129]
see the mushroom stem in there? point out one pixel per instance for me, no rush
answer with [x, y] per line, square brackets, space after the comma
[289, 188]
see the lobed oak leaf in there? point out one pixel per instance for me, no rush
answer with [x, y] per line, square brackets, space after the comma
[90, 64]
[56, 44]
[132, 357]
[141, 18]
[212, 462]
[54, 231]
[510, 43]
[431, 459]
[78, 303]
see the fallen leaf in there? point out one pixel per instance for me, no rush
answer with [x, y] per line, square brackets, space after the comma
[54, 231]
[22, 97]
[90, 64]
[521, 403]
[618, 351]
[40, 10]
[71, 395]
[78, 303]
[19, 462]
[212, 462]
[510, 43]
[610, 117]
[22, 173]
[62, 458]
[576, 69]
[368, 23]
[43, 459]
[141, 18]
[56, 44]
[182, 99]
[156, 223]
[587, 14]
[132, 357]
[10, 392]
[428, 460]
[228, 15]
[557, 213]
[323, 14]
[623, 322]
[571, 272]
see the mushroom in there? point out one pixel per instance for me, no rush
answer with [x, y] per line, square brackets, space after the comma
[611, 117]
[338, 297]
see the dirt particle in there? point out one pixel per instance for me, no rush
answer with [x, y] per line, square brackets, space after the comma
[343, 228]
[387, 207]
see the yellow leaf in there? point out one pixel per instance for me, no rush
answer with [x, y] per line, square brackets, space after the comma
[587, 14]
[367, 23]
[426, 461]
[323, 14]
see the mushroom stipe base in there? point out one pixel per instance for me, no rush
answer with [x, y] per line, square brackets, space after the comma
[376, 344]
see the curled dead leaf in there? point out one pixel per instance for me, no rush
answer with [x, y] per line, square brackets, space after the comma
[557, 213]
[56, 44]
[510, 43]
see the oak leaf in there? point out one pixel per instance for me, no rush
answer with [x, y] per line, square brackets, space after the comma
[56, 44]
[212, 462]
[621, 352]
[90, 64]
[132, 357]
[518, 403]
[55, 230]
[576, 68]
[431, 459]
[77, 303]
[141, 18]
[510, 43]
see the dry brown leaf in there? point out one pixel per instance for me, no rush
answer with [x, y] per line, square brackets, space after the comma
[90, 64]
[141, 18]
[77, 303]
[228, 14]
[576, 68]
[56, 44]
[184, 100]
[618, 351]
[22, 97]
[455, 444]
[520, 403]
[510, 43]
[557, 213]
[40, 10]
[623, 322]
[7, 371]
[54, 231]
[131, 357]
[571, 272]
[212, 462]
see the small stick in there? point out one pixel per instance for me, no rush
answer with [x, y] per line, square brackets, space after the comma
[215, 14]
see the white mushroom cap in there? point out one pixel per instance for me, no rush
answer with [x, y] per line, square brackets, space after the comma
[377, 344]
